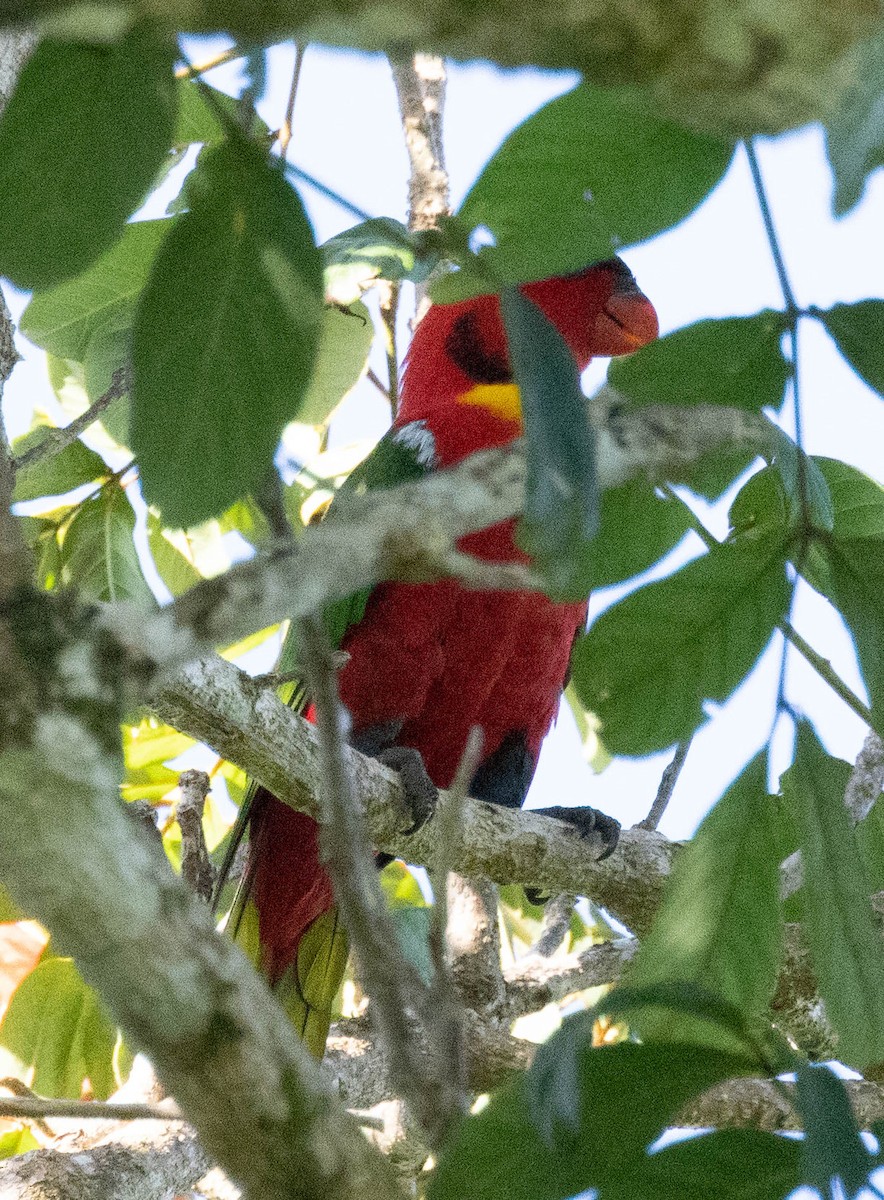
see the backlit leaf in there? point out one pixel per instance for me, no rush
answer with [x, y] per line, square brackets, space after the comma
[720, 925]
[81, 139]
[98, 554]
[56, 1028]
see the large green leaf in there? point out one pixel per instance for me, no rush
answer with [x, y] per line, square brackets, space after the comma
[637, 528]
[225, 336]
[98, 554]
[832, 1148]
[199, 109]
[56, 1028]
[845, 945]
[720, 925]
[857, 500]
[649, 664]
[63, 319]
[737, 361]
[592, 171]
[734, 1164]
[858, 330]
[59, 473]
[344, 343]
[855, 131]
[81, 139]
[611, 1104]
[561, 512]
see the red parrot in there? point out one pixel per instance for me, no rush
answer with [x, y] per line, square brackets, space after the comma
[429, 660]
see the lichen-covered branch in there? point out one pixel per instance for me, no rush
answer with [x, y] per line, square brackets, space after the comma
[410, 532]
[733, 67]
[214, 701]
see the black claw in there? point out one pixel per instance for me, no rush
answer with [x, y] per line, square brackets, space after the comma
[588, 821]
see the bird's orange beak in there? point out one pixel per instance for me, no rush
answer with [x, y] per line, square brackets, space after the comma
[628, 320]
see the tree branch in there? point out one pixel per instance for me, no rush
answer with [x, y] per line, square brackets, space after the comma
[215, 702]
[409, 532]
[734, 68]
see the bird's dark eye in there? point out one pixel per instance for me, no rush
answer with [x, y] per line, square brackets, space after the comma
[465, 349]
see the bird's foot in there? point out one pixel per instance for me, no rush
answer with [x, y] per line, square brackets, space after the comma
[587, 821]
[421, 794]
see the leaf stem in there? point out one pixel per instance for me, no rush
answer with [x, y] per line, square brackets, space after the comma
[824, 669]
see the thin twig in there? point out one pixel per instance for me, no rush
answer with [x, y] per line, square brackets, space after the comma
[388, 303]
[196, 866]
[37, 1108]
[824, 669]
[59, 439]
[394, 985]
[557, 914]
[285, 129]
[667, 787]
[192, 70]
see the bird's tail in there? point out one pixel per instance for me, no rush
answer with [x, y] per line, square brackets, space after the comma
[284, 917]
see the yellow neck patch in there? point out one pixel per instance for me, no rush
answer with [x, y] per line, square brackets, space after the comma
[502, 399]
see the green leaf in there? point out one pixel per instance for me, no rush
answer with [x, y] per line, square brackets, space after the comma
[561, 512]
[65, 318]
[720, 925]
[649, 664]
[344, 343]
[59, 473]
[81, 139]
[617, 1101]
[845, 946]
[637, 528]
[198, 119]
[856, 571]
[377, 249]
[855, 130]
[590, 172]
[98, 554]
[858, 331]
[759, 509]
[737, 1164]
[110, 351]
[173, 566]
[857, 499]
[737, 361]
[225, 336]
[56, 1028]
[803, 480]
[20, 1141]
[832, 1147]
